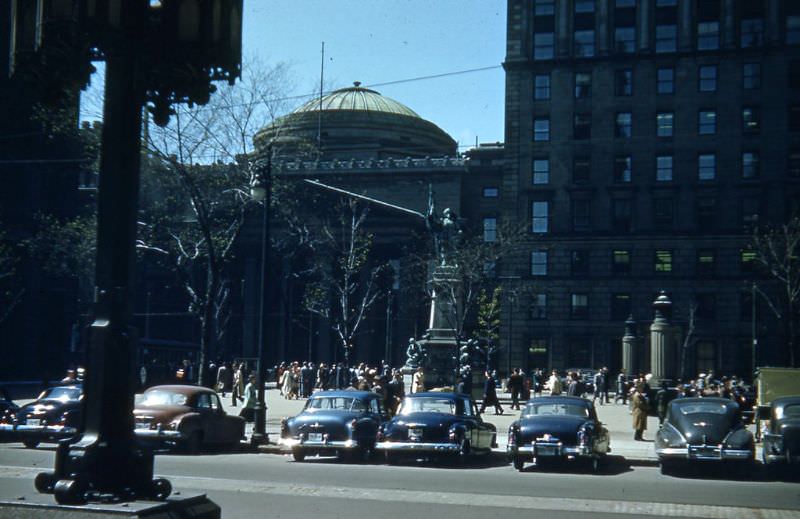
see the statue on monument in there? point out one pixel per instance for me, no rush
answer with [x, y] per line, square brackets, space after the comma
[446, 231]
[415, 353]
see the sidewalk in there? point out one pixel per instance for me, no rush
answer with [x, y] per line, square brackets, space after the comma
[615, 417]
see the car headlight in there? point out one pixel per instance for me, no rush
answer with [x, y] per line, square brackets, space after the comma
[512, 435]
[670, 437]
[456, 433]
[739, 439]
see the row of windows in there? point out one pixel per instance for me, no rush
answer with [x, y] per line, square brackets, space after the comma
[707, 81]
[664, 168]
[750, 167]
[621, 260]
[620, 306]
[707, 28]
[663, 214]
[664, 124]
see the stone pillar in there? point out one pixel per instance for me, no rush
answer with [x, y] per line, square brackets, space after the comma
[662, 345]
[563, 36]
[728, 25]
[685, 26]
[629, 347]
[643, 27]
[602, 29]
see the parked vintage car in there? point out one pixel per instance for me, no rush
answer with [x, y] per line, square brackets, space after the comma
[557, 428]
[55, 415]
[342, 423]
[703, 430]
[431, 424]
[781, 434]
[189, 417]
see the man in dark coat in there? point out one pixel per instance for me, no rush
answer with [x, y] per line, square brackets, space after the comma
[515, 387]
[490, 395]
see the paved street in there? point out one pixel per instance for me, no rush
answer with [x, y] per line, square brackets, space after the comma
[272, 485]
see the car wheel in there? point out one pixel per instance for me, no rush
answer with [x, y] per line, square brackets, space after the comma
[160, 489]
[519, 463]
[298, 455]
[30, 444]
[667, 468]
[193, 443]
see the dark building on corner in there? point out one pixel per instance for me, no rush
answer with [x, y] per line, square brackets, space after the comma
[644, 140]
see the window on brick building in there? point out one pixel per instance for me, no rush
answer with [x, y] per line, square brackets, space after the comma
[707, 78]
[490, 229]
[708, 35]
[665, 81]
[621, 215]
[664, 168]
[751, 76]
[751, 120]
[543, 46]
[491, 192]
[539, 263]
[584, 43]
[707, 166]
[539, 306]
[625, 40]
[748, 261]
[706, 213]
[582, 126]
[663, 213]
[623, 170]
[579, 306]
[623, 126]
[623, 82]
[541, 171]
[541, 129]
[664, 124]
[751, 164]
[583, 85]
[541, 87]
[581, 170]
[663, 262]
[706, 262]
[581, 214]
[666, 38]
[540, 220]
[620, 306]
[620, 262]
[579, 262]
[706, 122]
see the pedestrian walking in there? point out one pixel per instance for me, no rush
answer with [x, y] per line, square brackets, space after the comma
[238, 384]
[639, 411]
[250, 399]
[490, 395]
[554, 385]
[418, 381]
[599, 382]
[515, 383]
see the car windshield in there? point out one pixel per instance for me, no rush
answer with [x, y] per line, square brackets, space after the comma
[791, 411]
[427, 405]
[161, 397]
[63, 394]
[556, 409]
[335, 403]
[703, 408]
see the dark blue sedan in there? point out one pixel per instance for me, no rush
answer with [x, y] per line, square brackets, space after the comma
[340, 423]
[430, 424]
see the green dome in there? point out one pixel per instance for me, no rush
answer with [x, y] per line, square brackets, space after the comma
[356, 98]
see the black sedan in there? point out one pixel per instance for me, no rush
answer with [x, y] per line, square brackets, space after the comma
[781, 436]
[431, 424]
[703, 430]
[344, 423]
[53, 416]
[559, 428]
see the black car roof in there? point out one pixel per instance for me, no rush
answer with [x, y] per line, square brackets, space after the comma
[560, 399]
[703, 400]
[786, 400]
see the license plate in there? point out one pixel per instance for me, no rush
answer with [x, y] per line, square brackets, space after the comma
[705, 452]
[546, 450]
[415, 434]
[315, 437]
[33, 422]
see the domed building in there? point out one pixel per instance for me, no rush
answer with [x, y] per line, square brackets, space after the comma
[355, 142]
[355, 123]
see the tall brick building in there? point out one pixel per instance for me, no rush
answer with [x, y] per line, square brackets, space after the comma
[644, 139]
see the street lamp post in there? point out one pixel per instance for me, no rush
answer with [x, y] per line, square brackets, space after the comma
[261, 190]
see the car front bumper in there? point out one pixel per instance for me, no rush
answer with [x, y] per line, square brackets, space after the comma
[322, 445]
[543, 450]
[446, 448]
[11, 432]
[703, 453]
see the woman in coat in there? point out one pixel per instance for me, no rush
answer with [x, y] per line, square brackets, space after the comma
[639, 407]
[490, 395]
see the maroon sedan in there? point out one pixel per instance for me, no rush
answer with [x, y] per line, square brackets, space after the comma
[190, 417]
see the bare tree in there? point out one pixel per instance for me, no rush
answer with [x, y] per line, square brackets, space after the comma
[195, 190]
[689, 339]
[346, 286]
[778, 251]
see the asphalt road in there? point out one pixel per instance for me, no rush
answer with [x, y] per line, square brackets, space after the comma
[252, 485]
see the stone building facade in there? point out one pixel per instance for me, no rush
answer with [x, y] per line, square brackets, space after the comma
[644, 140]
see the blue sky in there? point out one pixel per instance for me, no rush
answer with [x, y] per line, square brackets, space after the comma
[385, 41]
[381, 41]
